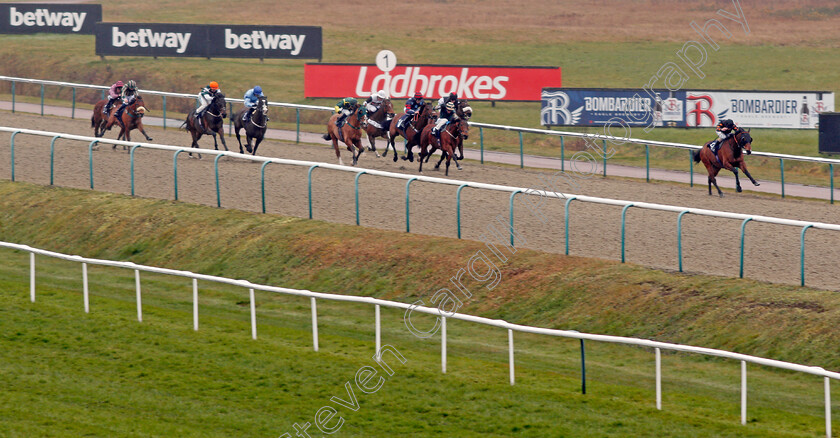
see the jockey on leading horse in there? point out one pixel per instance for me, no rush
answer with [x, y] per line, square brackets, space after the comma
[205, 96]
[128, 95]
[252, 96]
[344, 108]
[412, 105]
[724, 130]
[446, 105]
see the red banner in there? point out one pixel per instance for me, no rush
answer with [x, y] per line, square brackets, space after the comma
[433, 81]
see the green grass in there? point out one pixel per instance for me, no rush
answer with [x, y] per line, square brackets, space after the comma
[67, 373]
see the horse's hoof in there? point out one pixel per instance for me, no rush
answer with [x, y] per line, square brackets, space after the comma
[378, 156]
[757, 184]
[149, 139]
[721, 195]
[395, 158]
[460, 168]
[738, 189]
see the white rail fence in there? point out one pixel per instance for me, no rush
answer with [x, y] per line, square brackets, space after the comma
[562, 134]
[568, 197]
[377, 303]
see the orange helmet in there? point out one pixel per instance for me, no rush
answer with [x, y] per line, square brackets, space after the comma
[214, 85]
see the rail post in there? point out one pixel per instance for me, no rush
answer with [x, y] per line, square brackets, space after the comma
[562, 154]
[13, 97]
[691, 165]
[743, 230]
[782, 174]
[827, 407]
[195, 304]
[510, 357]
[52, 157]
[139, 300]
[481, 142]
[164, 112]
[42, 99]
[743, 392]
[521, 152]
[253, 313]
[831, 171]
[262, 184]
[582, 368]
[623, 222]
[297, 125]
[85, 294]
[73, 109]
[679, 239]
[309, 189]
[377, 330]
[131, 159]
[802, 255]
[230, 119]
[443, 344]
[12, 146]
[512, 195]
[407, 204]
[356, 185]
[314, 323]
[175, 171]
[458, 207]
[32, 276]
[658, 379]
[218, 190]
[90, 161]
[647, 163]
[604, 143]
[566, 213]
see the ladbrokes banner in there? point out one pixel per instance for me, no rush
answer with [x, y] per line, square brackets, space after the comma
[469, 82]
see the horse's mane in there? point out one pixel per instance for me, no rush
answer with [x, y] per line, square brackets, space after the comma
[736, 148]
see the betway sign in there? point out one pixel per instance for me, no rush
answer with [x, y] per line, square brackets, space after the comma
[47, 17]
[470, 82]
[208, 41]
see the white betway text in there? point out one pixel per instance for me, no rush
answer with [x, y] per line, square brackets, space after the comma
[147, 38]
[259, 40]
[44, 18]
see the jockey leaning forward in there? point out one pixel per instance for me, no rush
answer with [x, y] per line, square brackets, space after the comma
[251, 98]
[412, 105]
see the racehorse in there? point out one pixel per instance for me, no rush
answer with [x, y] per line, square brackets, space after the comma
[350, 134]
[410, 130]
[378, 125]
[132, 118]
[464, 111]
[213, 119]
[454, 132]
[255, 127]
[731, 158]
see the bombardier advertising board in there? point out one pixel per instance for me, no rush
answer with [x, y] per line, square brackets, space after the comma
[638, 107]
[469, 82]
[49, 17]
[208, 40]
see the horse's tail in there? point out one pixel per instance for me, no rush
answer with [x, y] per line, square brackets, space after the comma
[697, 155]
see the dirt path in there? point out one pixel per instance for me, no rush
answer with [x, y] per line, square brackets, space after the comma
[709, 245]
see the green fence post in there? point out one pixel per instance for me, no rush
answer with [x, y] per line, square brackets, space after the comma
[13, 154]
[582, 368]
[262, 184]
[743, 229]
[90, 161]
[512, 195]
[52, 157]
[481, 142]
[230, 119]
[164, 112]
[309, 188]
[13, 97]
[405, 147]
[802, 255]
[356, 185]
[218, 190]
[623, 222]
[42, 99]
[407, 199]
[562, 153]
[831, 171]
[73, 111]
[131, 158]
[691, 164]
[102, 92]
[782, 173]
[175, 170]
[566, 212]
[604, 142]
[297, 125]
[458, 207]
[679, 239]
[647, 163]
[521, 152]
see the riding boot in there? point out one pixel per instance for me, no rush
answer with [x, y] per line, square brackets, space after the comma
[340, 121]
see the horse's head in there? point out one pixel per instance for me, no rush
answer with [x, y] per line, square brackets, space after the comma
[137, 107]
[744, 140]
[262, 106]
[388, 109]
[361, 116]
[218, 104]
[463, 128]
[464, 110]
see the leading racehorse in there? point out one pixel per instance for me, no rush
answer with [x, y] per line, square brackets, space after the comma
[450, 136]
[378, 125]
[213, 119]
[350, 133]
[410, 130]
[729, 157]
[132, 118]
[255, 126]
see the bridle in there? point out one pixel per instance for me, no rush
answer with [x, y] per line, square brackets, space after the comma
[262, 108]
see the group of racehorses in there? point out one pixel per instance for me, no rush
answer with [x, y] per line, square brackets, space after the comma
[416, 131]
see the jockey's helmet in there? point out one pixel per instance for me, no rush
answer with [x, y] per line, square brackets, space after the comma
[214, 85]
[119, 84]
[258, 90]
[453, 96]
[381, 94]
[131, 85]
[418, 95]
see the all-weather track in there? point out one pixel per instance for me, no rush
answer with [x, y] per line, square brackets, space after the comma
[710, 245]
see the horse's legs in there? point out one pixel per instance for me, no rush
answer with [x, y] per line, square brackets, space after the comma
[337, 151]
[257, 143]
[360, 148]
[143, 131]
[448, 159]
[239, 139]
[373, 145]
[442, 156]
[221, 133]
[737, 180]
[743, 166]
[713, 179]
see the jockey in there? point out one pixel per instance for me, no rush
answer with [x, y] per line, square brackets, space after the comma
[252, 96]
[447, 115]
[113, 94]
[444, 100]
[375, 101]
[344, 108]
[205, 96]
[724, 129]
[412, 105]
[128, 95]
